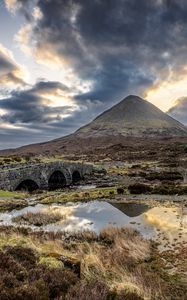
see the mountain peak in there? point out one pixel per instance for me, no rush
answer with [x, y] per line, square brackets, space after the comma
[133, 97]
[133, 116]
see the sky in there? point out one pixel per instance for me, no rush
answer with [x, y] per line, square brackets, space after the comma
[64, 62]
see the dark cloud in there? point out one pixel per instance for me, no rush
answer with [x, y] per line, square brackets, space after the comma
[179, 110]
[48, 86]
[5, 64]
[31, 107]
[32, 121]
[28, 116]
[121, 46]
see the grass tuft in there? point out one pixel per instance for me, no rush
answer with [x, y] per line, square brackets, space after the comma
[38, 219]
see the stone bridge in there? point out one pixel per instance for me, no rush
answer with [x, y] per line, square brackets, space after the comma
[50, 176]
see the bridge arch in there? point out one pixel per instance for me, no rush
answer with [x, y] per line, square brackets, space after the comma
[28, 185]
[76, 176]
[32, 176]
[57, 180]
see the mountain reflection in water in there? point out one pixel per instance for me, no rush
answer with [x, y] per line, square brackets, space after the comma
[166, 225]
[132, 209]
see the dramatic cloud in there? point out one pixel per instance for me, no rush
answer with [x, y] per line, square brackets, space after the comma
[120, 46]
[106, 49]
[10, 72]
[179, 110]
[34, 115]
[37, 105]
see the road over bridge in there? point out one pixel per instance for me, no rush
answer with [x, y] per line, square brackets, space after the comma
[50, 176]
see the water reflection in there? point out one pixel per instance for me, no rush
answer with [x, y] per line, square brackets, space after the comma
[160, 223]
[94, 215]
[132, 209]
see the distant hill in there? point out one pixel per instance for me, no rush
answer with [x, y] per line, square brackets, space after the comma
[133, 118]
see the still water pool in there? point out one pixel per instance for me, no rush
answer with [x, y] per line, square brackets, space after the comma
[166, 225]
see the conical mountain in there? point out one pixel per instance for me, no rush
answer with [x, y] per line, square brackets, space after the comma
[133, 116]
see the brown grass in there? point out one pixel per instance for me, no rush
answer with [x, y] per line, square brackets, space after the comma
[115, 264]
[38, 219]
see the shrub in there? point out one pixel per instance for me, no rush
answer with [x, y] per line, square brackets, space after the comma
[139, 188]
[27, 158]
[169, 189]
[172, 176]
[89, 291]
[23, 278]
[57, 280]
[25, 256]
[18, 159]
[7, 160]
[120, 190]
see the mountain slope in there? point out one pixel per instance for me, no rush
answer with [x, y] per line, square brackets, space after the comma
[133, 116]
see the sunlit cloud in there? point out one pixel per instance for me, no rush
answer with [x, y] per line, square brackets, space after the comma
[11, 4]
[5, 126]
[15, 5]
[11, 73]
[55, 94]
[2, 112]
[45, 54]
[22, 38]
[166, 92]
[37, 14]
[43, 103]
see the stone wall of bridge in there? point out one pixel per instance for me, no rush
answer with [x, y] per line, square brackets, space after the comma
[40, 173]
